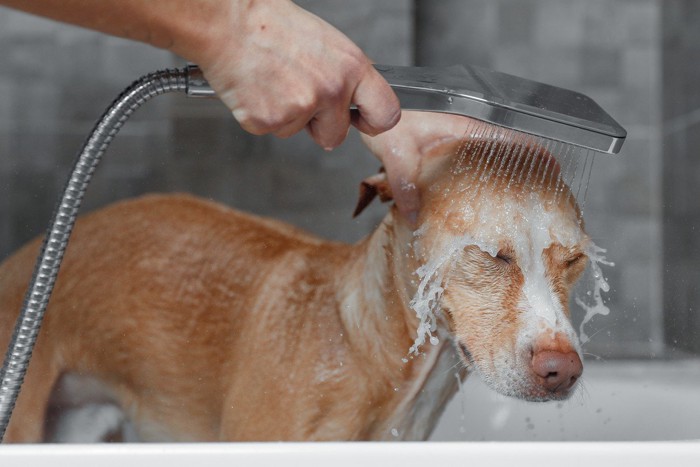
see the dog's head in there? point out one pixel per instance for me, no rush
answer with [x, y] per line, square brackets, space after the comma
[498, 248]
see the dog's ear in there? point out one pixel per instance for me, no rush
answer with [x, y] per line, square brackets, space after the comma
[370, 187]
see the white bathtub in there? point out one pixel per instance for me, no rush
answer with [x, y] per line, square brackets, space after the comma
[620, 401]
[356, 455]
[623, 401]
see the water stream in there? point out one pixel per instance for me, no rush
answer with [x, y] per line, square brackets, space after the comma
[500, 175]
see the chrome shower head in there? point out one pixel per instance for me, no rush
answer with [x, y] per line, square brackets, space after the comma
[491, 96]
[508, 101]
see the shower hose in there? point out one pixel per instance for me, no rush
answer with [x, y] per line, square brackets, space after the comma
[19, 352]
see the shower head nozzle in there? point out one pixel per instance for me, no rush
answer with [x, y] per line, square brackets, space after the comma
[509, 101]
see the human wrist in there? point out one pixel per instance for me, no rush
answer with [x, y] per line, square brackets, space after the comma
[215, 26]
[189, 34]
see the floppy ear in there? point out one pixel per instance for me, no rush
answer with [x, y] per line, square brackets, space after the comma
[370, 187]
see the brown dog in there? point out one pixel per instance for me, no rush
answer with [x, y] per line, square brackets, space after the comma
[203, 323]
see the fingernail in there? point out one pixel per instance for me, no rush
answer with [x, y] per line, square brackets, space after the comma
[240, 114]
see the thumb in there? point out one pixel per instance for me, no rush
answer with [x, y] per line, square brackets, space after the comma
[378, 108]
[402, 173]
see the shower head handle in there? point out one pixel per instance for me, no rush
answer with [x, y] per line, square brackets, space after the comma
[499, 98]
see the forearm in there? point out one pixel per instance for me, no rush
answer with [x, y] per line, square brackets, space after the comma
[183, 26]
[278, 67]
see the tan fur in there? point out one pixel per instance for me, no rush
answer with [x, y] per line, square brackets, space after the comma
[209, 324]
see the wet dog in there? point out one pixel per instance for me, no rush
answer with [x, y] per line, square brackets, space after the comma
[195, 322]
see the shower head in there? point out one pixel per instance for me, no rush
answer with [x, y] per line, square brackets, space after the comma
[499, 98]
[509, 101]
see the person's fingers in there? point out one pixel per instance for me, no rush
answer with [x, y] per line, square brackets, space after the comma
[330, 126]
[283, 121]
[291, 127]
[307, 75]
[378, 108]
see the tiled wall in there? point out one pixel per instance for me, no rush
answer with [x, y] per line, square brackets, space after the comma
[681, 171]
[55, 80]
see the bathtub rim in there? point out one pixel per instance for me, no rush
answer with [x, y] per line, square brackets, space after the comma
[339, 454]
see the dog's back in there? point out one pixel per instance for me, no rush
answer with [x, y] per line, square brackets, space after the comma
[158, 305]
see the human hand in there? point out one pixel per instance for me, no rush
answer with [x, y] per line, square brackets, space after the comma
[277, 67]
[403, 148]
[281, 69]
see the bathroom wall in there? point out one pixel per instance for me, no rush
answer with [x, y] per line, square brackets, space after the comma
[54, 83]
[681, 171]
[56, 80]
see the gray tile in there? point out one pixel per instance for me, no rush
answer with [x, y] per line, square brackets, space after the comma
[26, 59]
[691, 19]
[121, 61]
[21, 25]
[672, 23]
[559, 23]
[641, 69]
[601, 66]
[382, 29]
[519, 60]
[641, 23]
[33, 200]
[558, 66]
[516, 22]
[603, 23]
[676, 175]
[454, 31]
[5, 152]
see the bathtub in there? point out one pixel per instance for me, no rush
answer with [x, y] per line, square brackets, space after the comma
[623, 402]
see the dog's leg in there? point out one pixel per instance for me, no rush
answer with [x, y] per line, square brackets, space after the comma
[81, 409]
[90, 423]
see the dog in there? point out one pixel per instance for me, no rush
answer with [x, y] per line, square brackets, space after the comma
[196, 322]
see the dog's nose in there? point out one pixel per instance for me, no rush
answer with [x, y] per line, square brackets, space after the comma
[559, 371]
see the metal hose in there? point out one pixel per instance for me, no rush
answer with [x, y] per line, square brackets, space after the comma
[49, 261]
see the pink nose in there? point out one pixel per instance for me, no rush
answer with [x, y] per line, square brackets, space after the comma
[558, 371]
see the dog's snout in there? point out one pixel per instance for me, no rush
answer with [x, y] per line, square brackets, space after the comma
[557, 371]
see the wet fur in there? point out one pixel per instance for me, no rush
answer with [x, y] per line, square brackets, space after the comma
[203, 323]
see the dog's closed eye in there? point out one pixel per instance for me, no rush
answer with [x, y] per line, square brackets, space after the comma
[505, 257]
[574, 259]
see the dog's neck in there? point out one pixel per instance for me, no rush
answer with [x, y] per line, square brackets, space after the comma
[419, 385]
